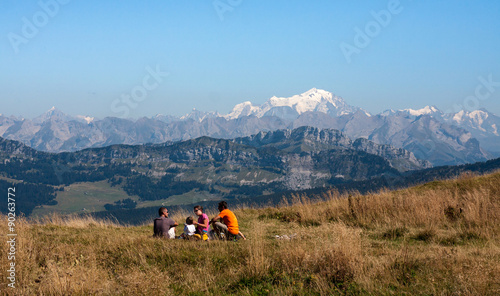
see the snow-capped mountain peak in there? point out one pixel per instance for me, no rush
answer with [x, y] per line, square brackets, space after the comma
[87, 119]
[475, 119]
[388, 112]
[477, 116]
[198, 115]
[313, 100]
[458, 116]
[427, 110]
[479, 122]
[52, 114]
[304, 102]
[242, 109]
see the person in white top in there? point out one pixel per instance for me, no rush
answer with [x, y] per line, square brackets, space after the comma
[189, 228]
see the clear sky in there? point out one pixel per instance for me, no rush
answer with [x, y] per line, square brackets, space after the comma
[87, 57]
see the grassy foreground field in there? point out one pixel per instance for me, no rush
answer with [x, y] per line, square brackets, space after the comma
[440, 238]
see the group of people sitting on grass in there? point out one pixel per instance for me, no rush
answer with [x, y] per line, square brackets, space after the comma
[203, 228]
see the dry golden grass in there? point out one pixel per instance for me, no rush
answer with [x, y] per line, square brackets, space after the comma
[440, 238]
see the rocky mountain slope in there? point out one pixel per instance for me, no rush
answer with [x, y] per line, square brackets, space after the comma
[307, 139]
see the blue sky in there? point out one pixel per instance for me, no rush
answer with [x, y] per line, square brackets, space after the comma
[84, 57]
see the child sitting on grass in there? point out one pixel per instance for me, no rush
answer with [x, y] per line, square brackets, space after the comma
[189, 228]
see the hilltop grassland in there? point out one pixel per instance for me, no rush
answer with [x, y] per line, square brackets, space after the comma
[441, 238]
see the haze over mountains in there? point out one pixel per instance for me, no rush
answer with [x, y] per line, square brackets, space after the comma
[430, 134]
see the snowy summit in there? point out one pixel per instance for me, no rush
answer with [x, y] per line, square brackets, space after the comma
[427, 110]
[313, 100]
[87, 119]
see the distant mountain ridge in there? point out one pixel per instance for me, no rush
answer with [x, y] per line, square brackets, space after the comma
[442, 139]
[311, 139]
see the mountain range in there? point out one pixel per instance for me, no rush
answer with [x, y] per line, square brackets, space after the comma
[430, 134]
[278, 156]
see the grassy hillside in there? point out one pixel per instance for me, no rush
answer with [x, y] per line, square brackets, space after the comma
[441, 238]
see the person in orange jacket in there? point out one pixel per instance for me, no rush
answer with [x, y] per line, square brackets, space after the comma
[229, 229]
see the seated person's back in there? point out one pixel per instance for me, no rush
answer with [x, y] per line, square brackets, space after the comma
[164, 226]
